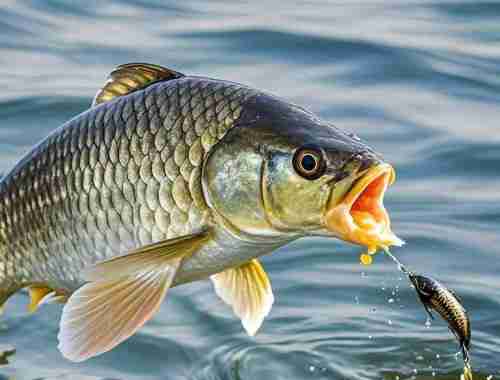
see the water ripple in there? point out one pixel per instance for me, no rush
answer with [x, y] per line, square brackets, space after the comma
[417, 80]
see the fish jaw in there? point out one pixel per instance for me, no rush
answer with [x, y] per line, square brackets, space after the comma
[360, 217]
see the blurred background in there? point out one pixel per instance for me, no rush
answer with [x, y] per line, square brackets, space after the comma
[419, 81]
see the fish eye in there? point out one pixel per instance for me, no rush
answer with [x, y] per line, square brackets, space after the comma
[309, 163]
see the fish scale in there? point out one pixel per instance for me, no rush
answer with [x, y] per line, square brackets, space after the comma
[446, 304]
[123, 174]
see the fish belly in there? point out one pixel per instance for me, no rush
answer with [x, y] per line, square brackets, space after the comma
[223, 252]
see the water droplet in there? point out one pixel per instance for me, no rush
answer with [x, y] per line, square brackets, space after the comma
[428, 323]
[390, 300]
[363, 274]
[438, 356]
[383, 288]
[389, 322]
[489, 377]
[433, 373]
[397, 377]
[419, 357]
[370, 337]
[356, 299]
[415, 371]
[312, 368]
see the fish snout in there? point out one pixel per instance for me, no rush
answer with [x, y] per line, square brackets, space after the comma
[359, 216]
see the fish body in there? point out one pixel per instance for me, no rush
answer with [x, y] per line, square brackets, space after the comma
[168, 179]
[435, 296]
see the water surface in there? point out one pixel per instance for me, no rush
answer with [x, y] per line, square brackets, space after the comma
[418, 80]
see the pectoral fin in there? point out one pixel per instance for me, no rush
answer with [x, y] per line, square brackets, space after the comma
[145, 258]
[122, 295]
[37, 294]
[248, 290]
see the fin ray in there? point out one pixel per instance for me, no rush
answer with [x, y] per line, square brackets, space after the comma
[122, 295]
[104, 333]
[248, 290]
[144, 258]
[131, 77]
[82, 310]
[110, 333]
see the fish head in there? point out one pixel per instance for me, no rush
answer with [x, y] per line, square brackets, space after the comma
[425, 286]
[282, 171]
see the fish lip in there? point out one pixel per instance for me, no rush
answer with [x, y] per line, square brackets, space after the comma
[364, 199]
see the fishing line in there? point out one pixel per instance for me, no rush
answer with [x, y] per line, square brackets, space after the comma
[401, 267]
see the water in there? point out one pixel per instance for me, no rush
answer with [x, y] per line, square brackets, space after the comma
[418, 80]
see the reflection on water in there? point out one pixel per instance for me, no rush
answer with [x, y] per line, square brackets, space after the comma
[419, 81]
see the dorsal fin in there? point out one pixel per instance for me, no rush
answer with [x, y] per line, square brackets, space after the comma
[132, 77]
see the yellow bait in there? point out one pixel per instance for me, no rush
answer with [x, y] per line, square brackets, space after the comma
[366, 259]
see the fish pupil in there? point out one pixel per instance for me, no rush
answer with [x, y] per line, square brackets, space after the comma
[308, 162]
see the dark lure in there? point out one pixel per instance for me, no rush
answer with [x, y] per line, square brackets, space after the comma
[435, 296]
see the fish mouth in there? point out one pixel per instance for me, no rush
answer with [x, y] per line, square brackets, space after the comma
[360, 217]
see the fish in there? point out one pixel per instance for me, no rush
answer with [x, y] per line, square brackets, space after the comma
[168, 179]
[437, 297]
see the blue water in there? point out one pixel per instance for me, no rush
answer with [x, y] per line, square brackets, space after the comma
[419, 81]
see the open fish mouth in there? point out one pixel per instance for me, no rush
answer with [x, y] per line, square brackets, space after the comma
[360, 217]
